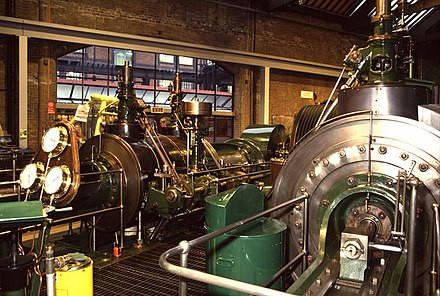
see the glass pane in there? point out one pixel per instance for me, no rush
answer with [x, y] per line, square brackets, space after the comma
[206, 78]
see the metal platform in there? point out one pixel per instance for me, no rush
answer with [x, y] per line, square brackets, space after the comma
[140, 274]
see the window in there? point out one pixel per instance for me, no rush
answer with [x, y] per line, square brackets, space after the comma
[94, 70]
[166, 58]
[120, 56]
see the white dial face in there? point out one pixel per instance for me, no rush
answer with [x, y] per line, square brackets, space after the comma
[57, 179]
[55, 140]
[51, 139]
[28, 176]
[31, 176]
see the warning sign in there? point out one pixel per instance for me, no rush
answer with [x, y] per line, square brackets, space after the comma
[82, 112]
[51, 108]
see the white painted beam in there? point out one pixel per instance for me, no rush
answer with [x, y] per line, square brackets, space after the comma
[264, 98]
[23, 90]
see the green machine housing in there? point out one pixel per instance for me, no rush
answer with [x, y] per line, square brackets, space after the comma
[251, 253]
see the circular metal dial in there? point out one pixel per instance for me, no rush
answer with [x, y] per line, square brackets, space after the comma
[55, 140]
[32, 176]
[57, 181]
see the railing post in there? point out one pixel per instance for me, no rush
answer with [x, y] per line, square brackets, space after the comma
[183, 282]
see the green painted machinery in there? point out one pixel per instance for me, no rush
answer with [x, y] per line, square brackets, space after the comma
[251, 253]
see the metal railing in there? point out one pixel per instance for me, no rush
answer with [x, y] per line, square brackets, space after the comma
[93, 213]
[185, 247]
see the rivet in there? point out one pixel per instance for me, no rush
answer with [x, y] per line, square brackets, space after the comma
[318, 282]
[374, 281]
[423, 167]
[382, 215]
[309, 293]
[342, 153]
[300, 242]
[310, 258]
[404, 155]
[389, 182]
[303, 189]
[298, 207]
[325, 162]
[325, 203]
[297, 224]
[312, 175]
[328, 270]
[382, 150]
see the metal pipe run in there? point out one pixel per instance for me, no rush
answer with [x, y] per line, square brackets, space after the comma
[50, 271]
[217, 280]
[411, 242]
[305, 231]
[435, 256]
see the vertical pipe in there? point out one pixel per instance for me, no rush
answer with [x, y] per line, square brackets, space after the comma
[437, 246]
[140, 241]
[121, 174]
[183, 285]
[50, 271]
[435, 250]
[411, 241]
[305, 231]
[383, 7]
[396, 208]
[402, 222]
[94, 233]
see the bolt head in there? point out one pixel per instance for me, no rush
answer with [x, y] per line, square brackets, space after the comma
[361, 149]
[404, 155]
[423, 167]
[382, 150]
[342, 153]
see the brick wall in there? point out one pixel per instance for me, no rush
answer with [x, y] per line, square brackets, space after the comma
[197, 21]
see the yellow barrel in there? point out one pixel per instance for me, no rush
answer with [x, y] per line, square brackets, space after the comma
[75, 278]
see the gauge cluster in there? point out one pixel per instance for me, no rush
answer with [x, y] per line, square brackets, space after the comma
[53, 175]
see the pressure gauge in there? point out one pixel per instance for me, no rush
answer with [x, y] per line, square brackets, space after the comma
[32, 176]
[57, 181]
[55, 140]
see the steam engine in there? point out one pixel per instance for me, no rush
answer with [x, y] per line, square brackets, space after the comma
[153, 176]
[370, 222]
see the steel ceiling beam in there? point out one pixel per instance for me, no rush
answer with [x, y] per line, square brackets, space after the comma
[64, 33]
[272, 5]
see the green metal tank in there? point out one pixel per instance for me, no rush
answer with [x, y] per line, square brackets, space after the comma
[252, 253]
